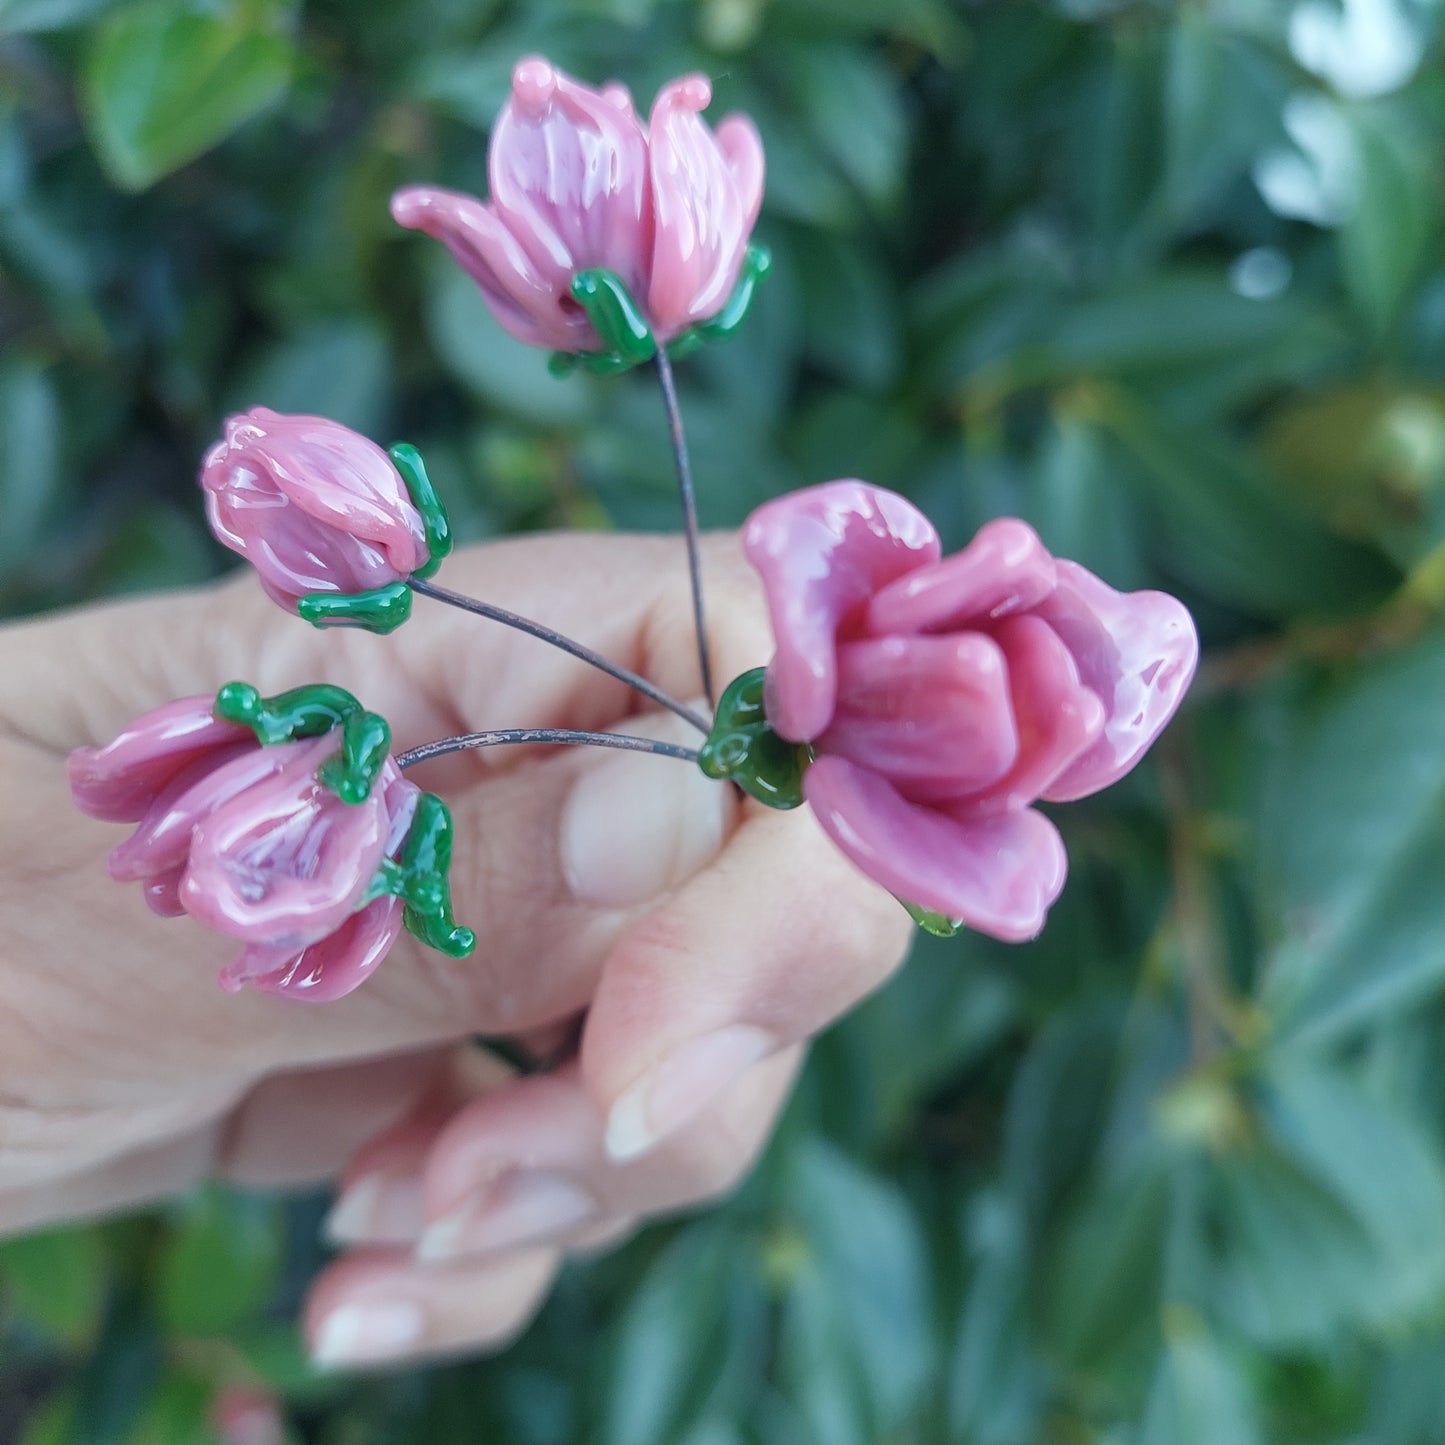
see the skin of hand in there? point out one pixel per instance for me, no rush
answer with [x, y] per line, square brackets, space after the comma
[674, 947]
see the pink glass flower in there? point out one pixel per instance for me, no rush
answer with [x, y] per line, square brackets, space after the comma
[942, 697]
[313, 506]
[245, 839]
[579, 183]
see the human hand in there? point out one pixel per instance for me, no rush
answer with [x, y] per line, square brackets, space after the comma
[673, 948]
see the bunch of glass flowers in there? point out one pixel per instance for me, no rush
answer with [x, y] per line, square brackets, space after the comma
[919, 704]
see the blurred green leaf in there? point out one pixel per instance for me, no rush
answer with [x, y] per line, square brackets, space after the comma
[867, 1276]
[1100, 1293]
[1385, 1170]
[670, 1343]
[177, 1413]
[165, 81]
[56, 1281]
[1200, 1397]
[1353, 826]
[17, 17]
[219, 1265]
[1386, 239]
[30, 430]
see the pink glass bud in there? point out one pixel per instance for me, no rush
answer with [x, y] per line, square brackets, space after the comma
[245, 839]
[942, 697]
[313, 506]
[579, 183]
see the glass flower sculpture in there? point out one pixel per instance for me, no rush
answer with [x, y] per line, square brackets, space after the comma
[921, 705]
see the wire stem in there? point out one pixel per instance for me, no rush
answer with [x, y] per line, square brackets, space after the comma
[689, 514]
[547, 634]
[496, 738]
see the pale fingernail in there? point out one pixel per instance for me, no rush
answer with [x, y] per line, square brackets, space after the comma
[681, 1086]
[368, 1332]
[636, 826]
[379, 1208]
[520, 1208]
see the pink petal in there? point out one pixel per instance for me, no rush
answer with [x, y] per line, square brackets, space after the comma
[527, 303]
[163, 893]
[307, 501]
[1057, 717]
[286, 862]
[120, 781]
[931, 714]
[1137, 652]
[705, 200]
[162, 838]
[822, 553]
[1005, 569]
[999, 875]
[328, 969]
[568, 170]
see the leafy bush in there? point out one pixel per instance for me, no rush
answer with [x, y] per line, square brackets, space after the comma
[1167, 283]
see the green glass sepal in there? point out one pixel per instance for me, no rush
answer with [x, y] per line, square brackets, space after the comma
[419, 876]
[614, 315]
[756, 264]
[742, 748]
[365, 744]
[407, 460]
[302, 712]
[381, 610]
[940, 925]
[310, 712]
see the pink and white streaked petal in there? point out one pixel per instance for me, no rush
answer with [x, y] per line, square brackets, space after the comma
[569, 178]
[1137, 652]
[287, 862]
[999, 875]
[119, 782]
[336, 476]
[522, 300]
[1005, 569]
[328, 969]
[822, 553]
[931, 714]
[1058, 718]
[161, 839]
[742, 149]
[268, 462]
[701, 217]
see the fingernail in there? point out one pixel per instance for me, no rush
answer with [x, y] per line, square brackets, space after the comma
[681, 1086]
[520, 1208]
[636, 826]
[368, 1331]
[379, 1208]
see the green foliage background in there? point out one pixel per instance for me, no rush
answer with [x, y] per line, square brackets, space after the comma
[1173, 1175]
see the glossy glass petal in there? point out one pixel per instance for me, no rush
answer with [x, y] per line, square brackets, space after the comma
[998, 874]
[932, 714]
[1004, 570]
[822, 553]
[1137, 652]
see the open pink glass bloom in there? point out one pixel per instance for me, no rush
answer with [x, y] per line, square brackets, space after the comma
[312, 505]
[579, 183]
[247, 840]
[943, 696]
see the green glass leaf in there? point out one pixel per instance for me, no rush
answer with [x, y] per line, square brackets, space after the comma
[163, 84]
[614, 315]
[940, 925]
[408, 462]
[381, 610]
[301, 712]
[742, 748]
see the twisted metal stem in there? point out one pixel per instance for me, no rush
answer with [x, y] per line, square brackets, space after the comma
[498, 737]
[566, 644]
[689, 515]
